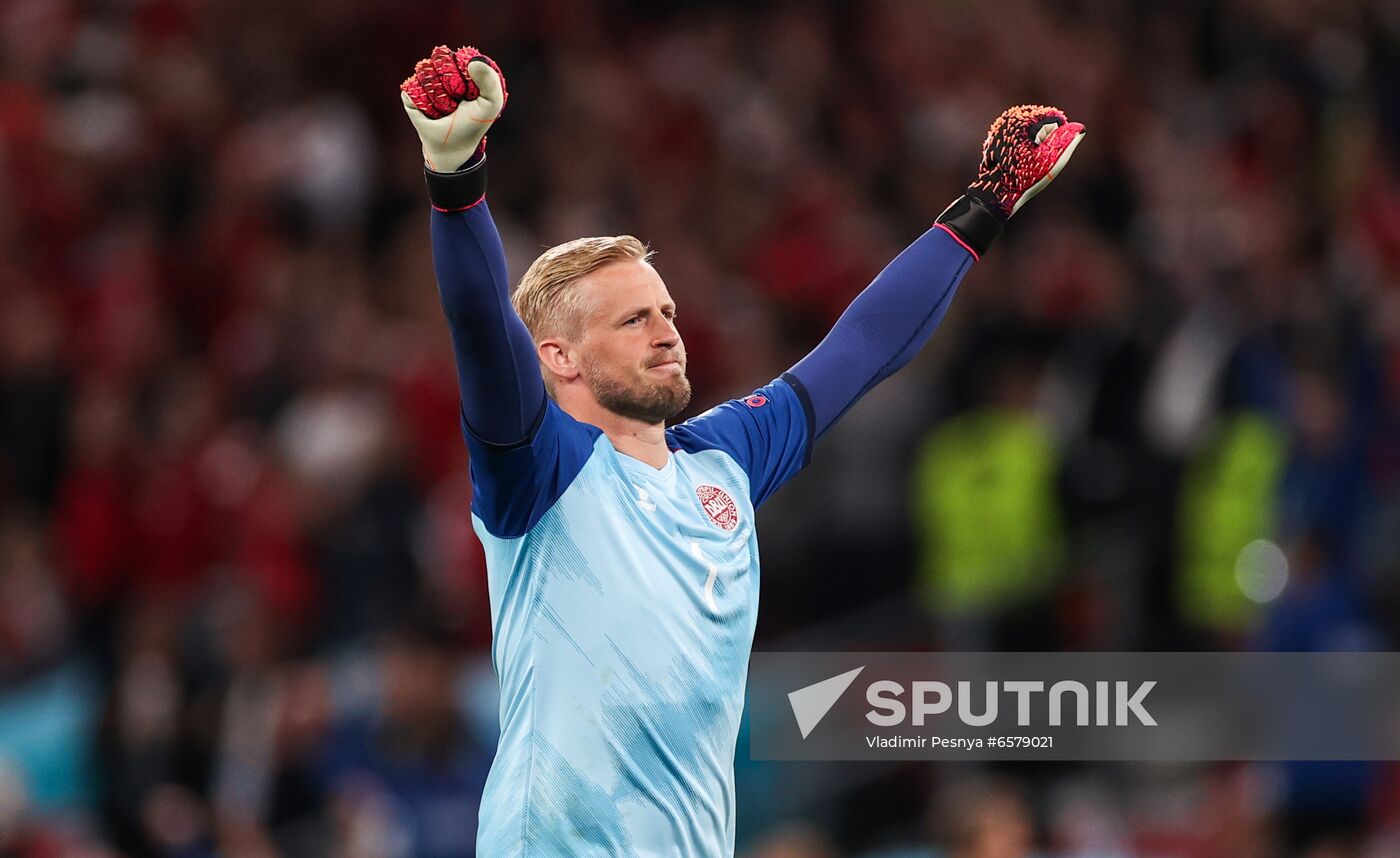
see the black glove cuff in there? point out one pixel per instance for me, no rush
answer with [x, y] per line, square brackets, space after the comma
[972, 221]
[456, 191]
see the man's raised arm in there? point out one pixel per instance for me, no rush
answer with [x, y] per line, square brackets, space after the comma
[452, 98]
[889, 322]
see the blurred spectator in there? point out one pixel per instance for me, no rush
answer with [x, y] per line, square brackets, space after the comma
[1228, 500]
[989, 522]
[794, 841]
[410, 778]
[985, 818]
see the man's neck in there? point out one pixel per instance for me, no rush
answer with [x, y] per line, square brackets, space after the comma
[645, 442]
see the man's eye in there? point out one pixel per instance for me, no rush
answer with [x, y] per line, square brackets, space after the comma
[632, 320]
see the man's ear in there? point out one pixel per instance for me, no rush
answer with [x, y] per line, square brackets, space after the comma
[559, 359]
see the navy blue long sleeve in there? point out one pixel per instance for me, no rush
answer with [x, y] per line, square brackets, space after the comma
[498, 373]
[884, 327]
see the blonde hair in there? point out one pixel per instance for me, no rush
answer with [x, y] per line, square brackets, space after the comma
[546, 299]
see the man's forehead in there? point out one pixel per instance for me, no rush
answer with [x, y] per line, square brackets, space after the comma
[623, 284]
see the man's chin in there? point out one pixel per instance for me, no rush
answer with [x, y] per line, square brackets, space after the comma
[656, 404]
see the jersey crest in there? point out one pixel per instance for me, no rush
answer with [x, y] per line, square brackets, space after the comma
[719, 506]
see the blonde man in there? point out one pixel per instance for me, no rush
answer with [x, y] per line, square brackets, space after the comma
[622, 559]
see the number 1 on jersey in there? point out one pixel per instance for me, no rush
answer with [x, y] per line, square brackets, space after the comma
[710, 581]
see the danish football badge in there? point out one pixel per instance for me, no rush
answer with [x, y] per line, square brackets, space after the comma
[719, 506]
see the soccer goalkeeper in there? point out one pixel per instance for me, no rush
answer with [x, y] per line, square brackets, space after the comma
[622, 558]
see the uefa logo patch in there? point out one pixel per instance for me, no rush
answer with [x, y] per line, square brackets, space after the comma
[757, 400]
[719, 506]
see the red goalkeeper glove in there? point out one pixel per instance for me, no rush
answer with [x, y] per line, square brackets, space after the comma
[1026, 148]
[452, 98]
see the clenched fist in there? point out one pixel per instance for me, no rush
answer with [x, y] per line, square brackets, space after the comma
[452, 97]
[1026, 148]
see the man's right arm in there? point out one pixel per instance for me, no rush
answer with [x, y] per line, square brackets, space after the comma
[452, 98]
[498, 374]
[525, 451]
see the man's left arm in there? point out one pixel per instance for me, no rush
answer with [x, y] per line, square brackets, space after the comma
[770, 432]
[887, 324]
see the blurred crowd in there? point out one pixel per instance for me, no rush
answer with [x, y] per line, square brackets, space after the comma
[241, 609]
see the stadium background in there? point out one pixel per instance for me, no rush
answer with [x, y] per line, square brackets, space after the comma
[241, 609]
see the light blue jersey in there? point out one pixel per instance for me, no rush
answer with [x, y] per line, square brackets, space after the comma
[623, 600]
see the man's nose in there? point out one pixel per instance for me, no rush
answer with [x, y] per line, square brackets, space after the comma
[666, 335]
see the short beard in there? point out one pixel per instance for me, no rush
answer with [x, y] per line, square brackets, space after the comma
[647, 402]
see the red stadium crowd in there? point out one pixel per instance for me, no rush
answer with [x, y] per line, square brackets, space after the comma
[241, 609]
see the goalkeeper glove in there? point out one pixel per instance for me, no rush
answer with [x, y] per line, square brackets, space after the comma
[452, 98]
[1026, 147]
